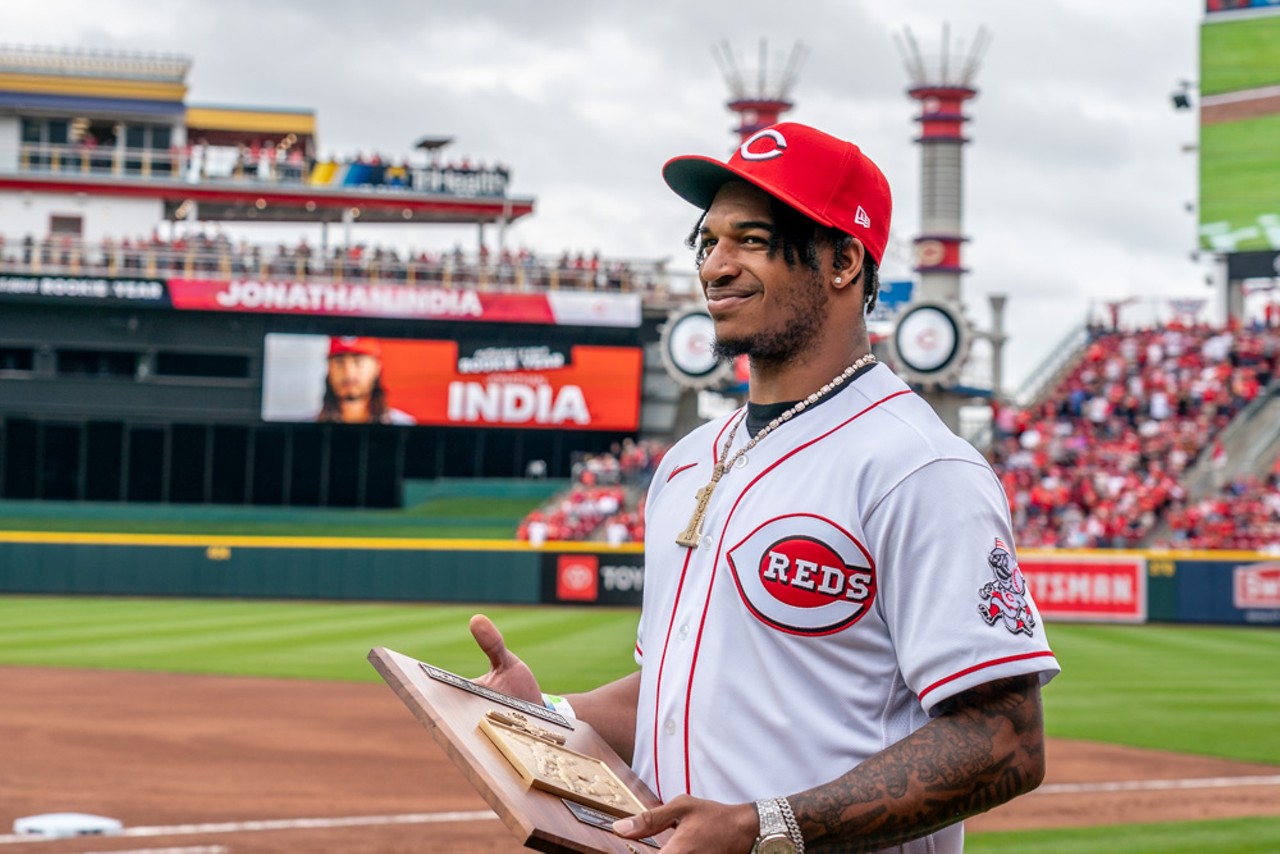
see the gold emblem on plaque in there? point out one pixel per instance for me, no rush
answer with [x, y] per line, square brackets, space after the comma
[542, 760]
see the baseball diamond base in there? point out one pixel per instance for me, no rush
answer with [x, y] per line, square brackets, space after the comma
[167, 751]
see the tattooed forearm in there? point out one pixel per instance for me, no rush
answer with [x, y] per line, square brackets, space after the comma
[986, 748]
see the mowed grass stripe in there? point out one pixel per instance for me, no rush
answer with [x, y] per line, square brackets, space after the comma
[115, 631]
[1208, 690]
[572, 649]
[1227, 836]
[1197, 689]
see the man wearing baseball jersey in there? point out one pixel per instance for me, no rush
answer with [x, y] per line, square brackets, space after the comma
[837, 650]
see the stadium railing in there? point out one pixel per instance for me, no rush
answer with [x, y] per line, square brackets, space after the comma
[277, 165]
[200, 257]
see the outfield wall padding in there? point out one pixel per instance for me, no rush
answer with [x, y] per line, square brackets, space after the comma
[299, 572]
[1092, 586]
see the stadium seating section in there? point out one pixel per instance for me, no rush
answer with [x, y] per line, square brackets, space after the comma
[1099, 462]
[605, 501]
[203, 256]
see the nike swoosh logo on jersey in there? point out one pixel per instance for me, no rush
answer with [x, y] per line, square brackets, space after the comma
[675, 471]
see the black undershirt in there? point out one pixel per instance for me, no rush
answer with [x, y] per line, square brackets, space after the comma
[760, 414]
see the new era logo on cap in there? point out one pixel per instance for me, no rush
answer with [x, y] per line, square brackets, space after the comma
[827, 179]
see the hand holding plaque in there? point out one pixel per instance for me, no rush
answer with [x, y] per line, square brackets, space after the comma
[555, 783]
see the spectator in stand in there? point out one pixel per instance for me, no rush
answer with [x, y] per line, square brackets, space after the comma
[617, 531]
[535, 530]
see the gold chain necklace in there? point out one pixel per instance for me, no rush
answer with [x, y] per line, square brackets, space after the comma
[693, 531]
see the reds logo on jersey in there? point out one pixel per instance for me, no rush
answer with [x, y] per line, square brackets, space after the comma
[1005, 599]
[804, 574]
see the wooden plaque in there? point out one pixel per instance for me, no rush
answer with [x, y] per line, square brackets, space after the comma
[453, 709]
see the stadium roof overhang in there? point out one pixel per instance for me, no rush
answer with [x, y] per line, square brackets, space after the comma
[89, 95]
[249, 125]
[286, 204]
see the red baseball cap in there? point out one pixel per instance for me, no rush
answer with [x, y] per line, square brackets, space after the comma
[827, 179]
[354, 346]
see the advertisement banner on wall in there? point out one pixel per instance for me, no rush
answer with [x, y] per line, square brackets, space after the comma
[82, 290]
[1087, 588]
[593, 578]
[442, 383]
[413, 302]
[1216, 591]
[1256, 586]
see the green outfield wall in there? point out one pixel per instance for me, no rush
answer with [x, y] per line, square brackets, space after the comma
[1093, 586]
[269, 567]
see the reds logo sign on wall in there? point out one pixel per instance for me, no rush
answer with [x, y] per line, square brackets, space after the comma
[578, 578]
[1257, 586]
[804, 574]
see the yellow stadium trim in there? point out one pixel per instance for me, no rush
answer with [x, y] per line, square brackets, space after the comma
[93, 87]
[266, 121]
[265, 542]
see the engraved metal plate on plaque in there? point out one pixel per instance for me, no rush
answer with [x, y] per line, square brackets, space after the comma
[488, 693]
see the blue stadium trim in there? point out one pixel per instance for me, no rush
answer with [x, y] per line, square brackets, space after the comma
[70, 103]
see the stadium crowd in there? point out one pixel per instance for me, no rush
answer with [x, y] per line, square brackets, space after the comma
[605, 500]
[201, 255]
[1244, 514]
[1099, 463]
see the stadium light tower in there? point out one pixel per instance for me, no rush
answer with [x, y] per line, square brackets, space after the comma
[941, 84]
[930, 343]
[759, 96]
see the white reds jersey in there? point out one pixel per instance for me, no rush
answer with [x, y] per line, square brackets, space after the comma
[854, 571]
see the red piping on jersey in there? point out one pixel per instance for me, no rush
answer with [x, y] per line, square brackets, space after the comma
[706, 606]
[657, 689]
[666, 643]
[993, 663]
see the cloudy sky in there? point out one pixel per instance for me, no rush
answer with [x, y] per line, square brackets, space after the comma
[1078, 179]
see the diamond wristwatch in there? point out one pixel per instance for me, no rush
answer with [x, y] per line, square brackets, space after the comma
[779, 830]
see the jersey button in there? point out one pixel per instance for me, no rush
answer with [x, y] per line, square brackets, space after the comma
[669, 727]
[741, 462]
[684, 631]
[706, 541]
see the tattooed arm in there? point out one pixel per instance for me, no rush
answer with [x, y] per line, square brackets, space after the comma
[986, 747]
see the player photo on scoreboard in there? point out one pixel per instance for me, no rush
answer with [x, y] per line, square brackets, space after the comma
[363, 380]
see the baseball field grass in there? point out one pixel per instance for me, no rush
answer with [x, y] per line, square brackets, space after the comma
[1205, 690]
[1231, 836]
[1209, 690]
